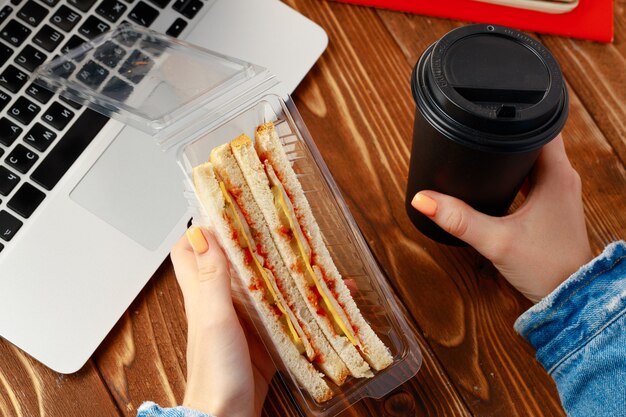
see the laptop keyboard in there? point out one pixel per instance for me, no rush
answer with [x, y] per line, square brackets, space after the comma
[41, 133]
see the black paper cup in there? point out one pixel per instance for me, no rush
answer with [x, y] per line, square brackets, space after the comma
[487, 99]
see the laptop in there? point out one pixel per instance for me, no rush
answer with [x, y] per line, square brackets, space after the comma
[89, 208]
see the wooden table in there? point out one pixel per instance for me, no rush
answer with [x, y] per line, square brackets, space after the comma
[356, 102]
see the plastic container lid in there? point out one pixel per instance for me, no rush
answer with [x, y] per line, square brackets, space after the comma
[155, 83]
[491, 86]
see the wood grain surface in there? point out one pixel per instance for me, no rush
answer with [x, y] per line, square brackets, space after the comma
[357, 104]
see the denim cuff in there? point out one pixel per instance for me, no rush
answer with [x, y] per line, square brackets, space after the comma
[578, 310]
[150, 409]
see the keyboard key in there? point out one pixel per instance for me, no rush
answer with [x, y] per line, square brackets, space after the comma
[1, 247]
[65, 69]
[1, 151]
[26, 200]
[180, 4]
[143, 14]
[65, 18]
[72, 43]
[13, 79]
[32, 13]
[188, 8]
[24, 111]
[160, 3]
[128, 39]
[21, 158]
[177, 27]
[92, 74]
[82, 5]
[30, 58]
[110, 54]
[117, 89]
[111, 10]
[40, 137]
[4, 99]
[5, 52]
[9, 131]
[68, 148]
[48, 38]
[39, 93]
[57, 116]
[8, 181]
[136, 66]
[16, 2]
[192, 9]
[93, 27]
[4, 13]
[50, 3]
[15, 33]
[9, 226]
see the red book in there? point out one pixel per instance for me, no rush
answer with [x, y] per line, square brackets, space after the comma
[589, 19]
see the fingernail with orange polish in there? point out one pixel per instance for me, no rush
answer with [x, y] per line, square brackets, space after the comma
[424, 204]
[196, 240]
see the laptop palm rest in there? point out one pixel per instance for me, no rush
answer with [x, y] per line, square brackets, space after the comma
[134, 187]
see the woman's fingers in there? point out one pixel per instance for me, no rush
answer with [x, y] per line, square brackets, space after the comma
[184, 261]
[551, 165]
[212, 264]
[459, 219]
[203, 275]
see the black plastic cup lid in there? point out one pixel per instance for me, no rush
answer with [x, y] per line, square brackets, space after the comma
[491, 87]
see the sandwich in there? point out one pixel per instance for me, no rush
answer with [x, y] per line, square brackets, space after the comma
[268, 231]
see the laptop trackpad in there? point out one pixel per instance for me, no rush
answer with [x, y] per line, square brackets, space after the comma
[134, 187]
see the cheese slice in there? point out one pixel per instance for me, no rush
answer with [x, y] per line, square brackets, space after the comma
[288, 219]
[245, 241]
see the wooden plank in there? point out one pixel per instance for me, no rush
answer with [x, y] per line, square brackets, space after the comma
[597, 72]
[430, 393]
[29, 389]
[602, 172]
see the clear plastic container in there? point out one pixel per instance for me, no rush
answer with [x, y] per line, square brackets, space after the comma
[196, 100]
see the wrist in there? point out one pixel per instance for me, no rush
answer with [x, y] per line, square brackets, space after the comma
[538, 276]
[219, 380]
[214, 409]
[571, 315]
[578, 258]
[198, 405]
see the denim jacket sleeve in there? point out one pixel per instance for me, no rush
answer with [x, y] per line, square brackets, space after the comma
[150, 409]
[579, 333]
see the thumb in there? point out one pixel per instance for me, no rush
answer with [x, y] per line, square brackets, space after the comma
[213, 273]
[458, 218]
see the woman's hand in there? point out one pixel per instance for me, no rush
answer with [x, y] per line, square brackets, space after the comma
[227, 374]
[539, 245]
